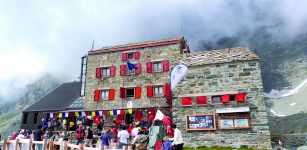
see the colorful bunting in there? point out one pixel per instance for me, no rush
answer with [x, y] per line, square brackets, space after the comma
[90, 113]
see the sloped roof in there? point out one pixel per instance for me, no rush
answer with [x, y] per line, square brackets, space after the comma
[219, 56]
[58, 99]
[144, 44]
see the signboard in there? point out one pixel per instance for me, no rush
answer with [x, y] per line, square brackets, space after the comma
[226, 123]
[200, 122]
[241, 123]
[232, 110]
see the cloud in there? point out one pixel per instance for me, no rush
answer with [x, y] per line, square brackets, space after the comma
[52, 36]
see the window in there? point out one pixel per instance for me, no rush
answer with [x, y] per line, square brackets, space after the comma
[106, 71]
[158, 91]
[157, 66]
[234, 121]
[130, 55]
[130, 92]
[104, 94]
[35, 118]
[25, 118]
[216, 99]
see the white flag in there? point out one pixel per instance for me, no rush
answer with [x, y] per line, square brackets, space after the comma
[177, 73]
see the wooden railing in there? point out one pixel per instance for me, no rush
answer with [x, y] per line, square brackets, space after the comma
[28, 144]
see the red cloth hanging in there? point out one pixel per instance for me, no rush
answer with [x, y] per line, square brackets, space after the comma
[121, 116]
[96, 119]
[122, 92]
[151, 114]
[138, 115]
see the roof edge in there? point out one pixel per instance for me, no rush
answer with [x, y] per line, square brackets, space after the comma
[137, 45]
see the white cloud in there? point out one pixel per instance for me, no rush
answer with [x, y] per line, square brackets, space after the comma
[55, 34]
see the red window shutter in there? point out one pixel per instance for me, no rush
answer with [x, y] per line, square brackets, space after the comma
[240, 97]
[136, 55]
[149, 91]
[111, 94]
[137, 92]
[225, 98]
[201, 100]
[165, 65]
[124, 56]
[149, 67]
[112, 71]
[167, 93]
[122, 92]
[165, 86]
[96, 95]
[123, 70]
[186, 101]
[98, 72]
[138, 68]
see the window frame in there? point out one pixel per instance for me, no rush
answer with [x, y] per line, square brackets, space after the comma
[130, 96]
[130, 54]
[108, 71]
[158, 86]
[101, 94]
[153, 66]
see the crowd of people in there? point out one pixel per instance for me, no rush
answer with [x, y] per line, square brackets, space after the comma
[93, 133]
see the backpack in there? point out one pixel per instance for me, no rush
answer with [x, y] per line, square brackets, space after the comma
[78, 134]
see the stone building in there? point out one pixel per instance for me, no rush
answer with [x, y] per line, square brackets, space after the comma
[220, 100]
[131, 77]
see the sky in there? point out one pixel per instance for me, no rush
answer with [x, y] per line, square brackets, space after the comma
[38, 37]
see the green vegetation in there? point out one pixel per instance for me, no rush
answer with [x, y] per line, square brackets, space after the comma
[217, 148]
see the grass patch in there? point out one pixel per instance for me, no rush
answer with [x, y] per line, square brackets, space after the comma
[217, 148]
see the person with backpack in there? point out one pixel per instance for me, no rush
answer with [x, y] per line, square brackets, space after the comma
[79, 135]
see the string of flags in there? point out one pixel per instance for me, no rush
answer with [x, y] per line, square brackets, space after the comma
[89, 113]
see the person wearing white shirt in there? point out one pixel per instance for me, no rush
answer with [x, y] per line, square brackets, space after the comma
[135, 131]
[177, 139]
[123, 136]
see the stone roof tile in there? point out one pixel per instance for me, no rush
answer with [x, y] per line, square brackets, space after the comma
[219, 56]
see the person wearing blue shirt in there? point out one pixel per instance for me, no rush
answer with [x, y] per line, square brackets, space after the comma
[106, 138]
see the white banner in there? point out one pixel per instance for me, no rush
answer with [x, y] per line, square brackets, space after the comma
[177, 73]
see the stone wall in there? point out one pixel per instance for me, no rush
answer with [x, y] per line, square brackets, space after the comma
[242, 76]
[159, 53]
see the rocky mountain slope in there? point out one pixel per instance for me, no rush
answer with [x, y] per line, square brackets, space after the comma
[10, 112]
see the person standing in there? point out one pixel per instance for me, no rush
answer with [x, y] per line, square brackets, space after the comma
[89, 137]
[106, 139]
[123, 136]
[79, 135]
[177, 139]
[38, 136]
